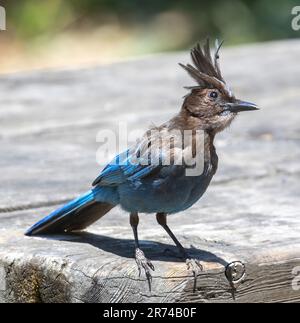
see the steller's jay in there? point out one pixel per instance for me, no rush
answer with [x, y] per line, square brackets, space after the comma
[139, 181]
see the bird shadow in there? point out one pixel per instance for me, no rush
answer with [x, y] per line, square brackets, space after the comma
[125, 247]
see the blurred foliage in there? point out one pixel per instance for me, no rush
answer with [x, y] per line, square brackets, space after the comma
[236, 20]
[144, 26]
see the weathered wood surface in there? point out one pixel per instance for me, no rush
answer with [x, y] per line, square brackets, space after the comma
[48, 126]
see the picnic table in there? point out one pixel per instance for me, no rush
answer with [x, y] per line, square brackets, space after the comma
[250, 215]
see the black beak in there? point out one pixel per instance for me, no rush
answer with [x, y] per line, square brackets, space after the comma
[240, 106]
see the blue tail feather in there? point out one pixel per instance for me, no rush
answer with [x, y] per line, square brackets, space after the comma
[75, 215]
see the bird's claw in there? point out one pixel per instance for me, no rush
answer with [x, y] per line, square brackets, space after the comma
[144, 264]
[195, 266]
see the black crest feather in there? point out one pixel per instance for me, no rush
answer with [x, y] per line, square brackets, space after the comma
[206, 71]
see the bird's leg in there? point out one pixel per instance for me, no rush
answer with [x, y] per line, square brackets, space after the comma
[142, 262]
[192, 264]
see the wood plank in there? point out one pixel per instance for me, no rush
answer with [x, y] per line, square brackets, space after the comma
[48, 126]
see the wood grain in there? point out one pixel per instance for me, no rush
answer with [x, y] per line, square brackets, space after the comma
[48, 126]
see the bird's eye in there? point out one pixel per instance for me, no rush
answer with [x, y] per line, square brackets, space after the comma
[213, 94]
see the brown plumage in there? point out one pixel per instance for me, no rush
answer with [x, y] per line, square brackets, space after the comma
[206, 71]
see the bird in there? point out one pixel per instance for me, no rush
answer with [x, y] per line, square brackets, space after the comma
[158, 174]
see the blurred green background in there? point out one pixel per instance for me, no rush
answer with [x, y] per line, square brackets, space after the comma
[56, 33]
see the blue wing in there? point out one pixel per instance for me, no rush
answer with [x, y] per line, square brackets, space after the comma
[122, 169]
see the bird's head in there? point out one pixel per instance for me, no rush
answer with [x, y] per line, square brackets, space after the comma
[210, 105]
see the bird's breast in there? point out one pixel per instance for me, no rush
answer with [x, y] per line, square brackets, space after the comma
[169, 191]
